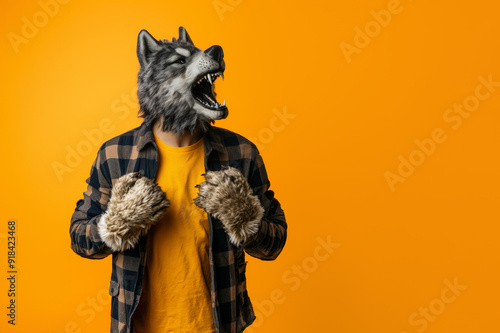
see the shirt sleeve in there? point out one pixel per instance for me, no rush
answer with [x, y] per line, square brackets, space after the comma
[270, 239]
[85, 239]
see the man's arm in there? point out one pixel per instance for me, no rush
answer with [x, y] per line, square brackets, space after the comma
[270, 239]
[85, 239]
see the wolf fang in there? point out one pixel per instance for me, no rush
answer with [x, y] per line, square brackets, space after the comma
[175, 82]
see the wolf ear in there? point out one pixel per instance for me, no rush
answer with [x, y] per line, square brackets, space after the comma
[146, 44]
[184, 37]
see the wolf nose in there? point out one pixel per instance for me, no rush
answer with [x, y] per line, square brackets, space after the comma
[215, 52]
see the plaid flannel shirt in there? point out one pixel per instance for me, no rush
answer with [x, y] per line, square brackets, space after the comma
[136, 151]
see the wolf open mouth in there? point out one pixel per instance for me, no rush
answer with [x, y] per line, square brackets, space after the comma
[203, 91]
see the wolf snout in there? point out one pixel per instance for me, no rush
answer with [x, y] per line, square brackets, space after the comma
[215, 52]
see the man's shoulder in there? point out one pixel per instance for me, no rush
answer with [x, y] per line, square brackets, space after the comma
[223, 136]
[229, 138]
[128, 138]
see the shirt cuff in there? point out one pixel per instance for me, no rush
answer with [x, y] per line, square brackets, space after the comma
[256, 239]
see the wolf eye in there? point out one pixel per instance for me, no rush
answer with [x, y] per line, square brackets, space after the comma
[180, 61]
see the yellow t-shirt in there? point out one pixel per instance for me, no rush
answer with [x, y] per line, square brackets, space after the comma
[176, 286]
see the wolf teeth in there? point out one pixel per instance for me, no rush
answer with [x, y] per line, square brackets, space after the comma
[210, 77]
[214, 104]
[208, 97]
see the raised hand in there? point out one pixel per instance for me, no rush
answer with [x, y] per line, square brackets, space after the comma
[227, 196]
[135, 205]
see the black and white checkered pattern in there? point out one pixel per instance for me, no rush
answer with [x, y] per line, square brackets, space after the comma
[136, 151]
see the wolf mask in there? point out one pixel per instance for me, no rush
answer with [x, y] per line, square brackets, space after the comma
[176, 82]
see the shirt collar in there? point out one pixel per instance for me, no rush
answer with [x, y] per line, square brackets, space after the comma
[211, 140]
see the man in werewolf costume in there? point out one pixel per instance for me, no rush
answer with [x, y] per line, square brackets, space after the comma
[189, 197]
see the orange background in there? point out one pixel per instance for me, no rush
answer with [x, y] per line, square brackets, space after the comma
[349, 123]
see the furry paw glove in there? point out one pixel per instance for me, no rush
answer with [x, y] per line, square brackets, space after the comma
[135, 205]
[227, 196]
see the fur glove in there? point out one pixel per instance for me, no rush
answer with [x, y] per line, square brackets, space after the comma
[227, 196]
[135, 205]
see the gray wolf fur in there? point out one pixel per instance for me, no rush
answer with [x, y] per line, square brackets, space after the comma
[135, 205]
[227, 195]
[175, 82]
